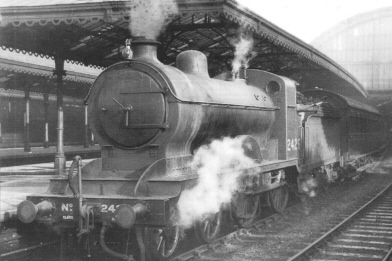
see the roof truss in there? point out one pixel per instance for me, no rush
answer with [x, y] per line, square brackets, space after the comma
[94, 34]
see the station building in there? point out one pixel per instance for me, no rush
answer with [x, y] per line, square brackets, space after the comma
[362, 44]
[28, 115]
[95, 33]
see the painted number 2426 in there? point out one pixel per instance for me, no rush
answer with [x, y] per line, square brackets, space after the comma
[293, 144]
[108, 208]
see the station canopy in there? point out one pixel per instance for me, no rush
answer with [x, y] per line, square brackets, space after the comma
[93, 33]
[20, 72]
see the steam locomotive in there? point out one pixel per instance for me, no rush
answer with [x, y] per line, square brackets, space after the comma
[150, 119]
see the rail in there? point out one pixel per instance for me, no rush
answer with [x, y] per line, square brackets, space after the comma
[317, 244]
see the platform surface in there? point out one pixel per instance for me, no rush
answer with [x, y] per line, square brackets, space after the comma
[17, 156]
[20, 181]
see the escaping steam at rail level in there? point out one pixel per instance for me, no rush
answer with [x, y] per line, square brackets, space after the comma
[219, 166]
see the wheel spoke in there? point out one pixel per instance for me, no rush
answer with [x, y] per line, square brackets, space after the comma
[205, 226]
[163, 251]
[160, 239]
[208, 228]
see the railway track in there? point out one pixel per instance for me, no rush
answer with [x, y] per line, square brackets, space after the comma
[14, 247]
[224, 244]
[362, 232]
[347, 232]
[28, 253]
[27, 244]
[364, 235]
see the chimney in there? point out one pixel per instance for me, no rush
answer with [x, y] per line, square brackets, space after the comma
[144, 49]
[238, 76]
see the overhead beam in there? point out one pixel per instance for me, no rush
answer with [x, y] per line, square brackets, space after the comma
[193, 27]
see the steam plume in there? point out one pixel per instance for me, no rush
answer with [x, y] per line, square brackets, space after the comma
[219, 167]
[148, 16]
[242, 55]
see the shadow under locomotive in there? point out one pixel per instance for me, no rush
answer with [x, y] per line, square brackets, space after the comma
[150, 119]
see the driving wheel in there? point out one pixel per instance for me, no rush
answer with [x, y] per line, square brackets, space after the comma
[245, 209]
[207, 230]
[162, 242]
[278, 198]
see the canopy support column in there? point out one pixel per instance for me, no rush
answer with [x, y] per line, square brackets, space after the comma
[27, 145]
[92, 139]
[46, 104]
[86, 136]
[59, 160]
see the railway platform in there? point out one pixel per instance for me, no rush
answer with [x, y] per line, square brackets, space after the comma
[16, 182]
[17, 156]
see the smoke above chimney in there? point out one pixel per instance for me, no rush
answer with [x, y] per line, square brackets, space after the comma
[243, 53]
[148, 17]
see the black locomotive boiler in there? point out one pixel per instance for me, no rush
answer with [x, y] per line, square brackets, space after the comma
[150, 119]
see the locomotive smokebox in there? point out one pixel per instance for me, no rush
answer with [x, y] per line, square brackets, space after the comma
[144, 49]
